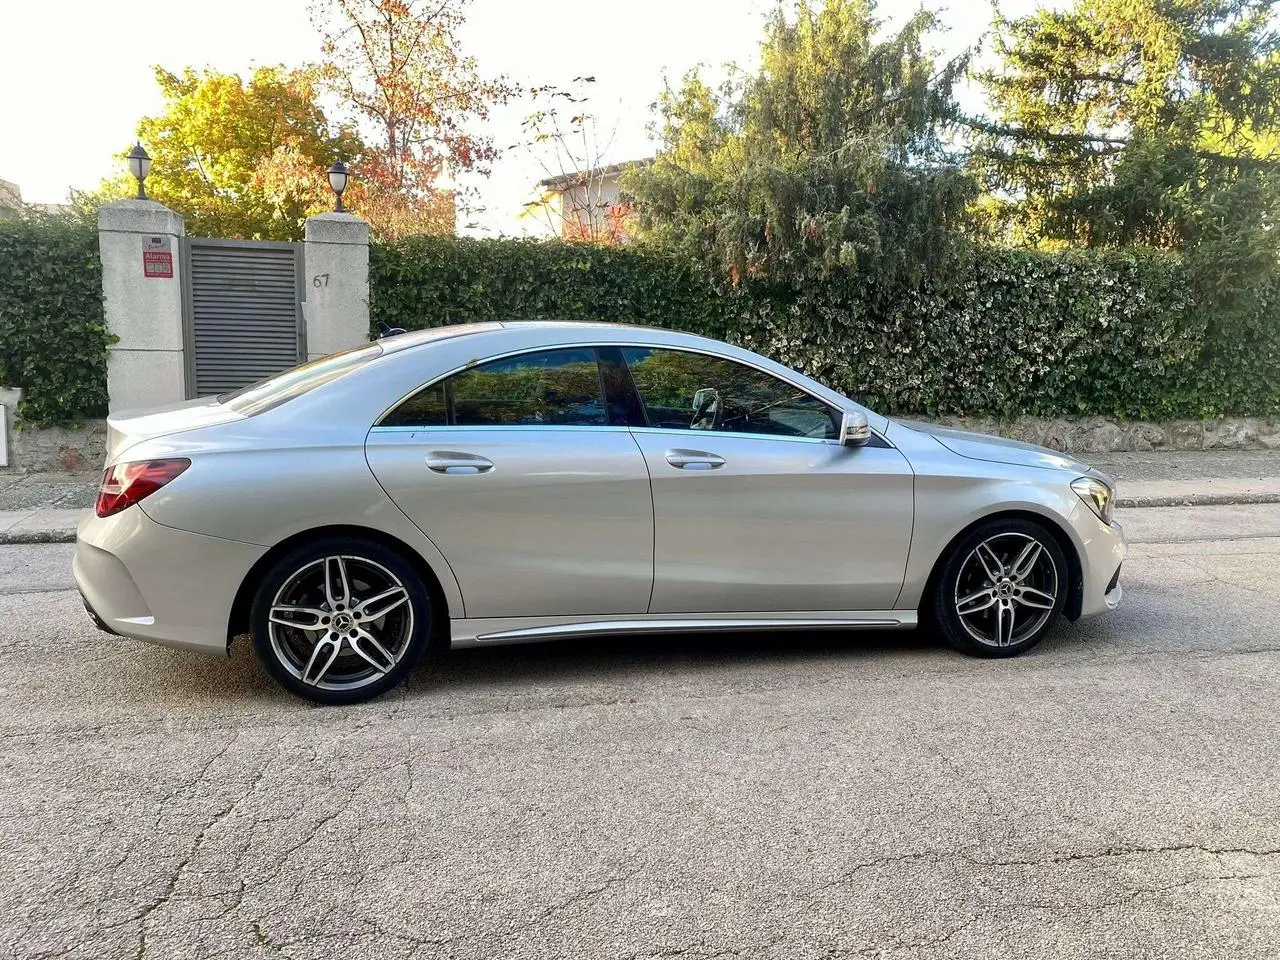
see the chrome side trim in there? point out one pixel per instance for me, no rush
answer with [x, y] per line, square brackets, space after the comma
[779, 438]
[483, 632]
[508, 427]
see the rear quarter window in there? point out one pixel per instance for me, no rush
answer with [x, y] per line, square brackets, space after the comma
[283, 387]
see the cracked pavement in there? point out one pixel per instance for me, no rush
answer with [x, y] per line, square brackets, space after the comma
[1114, 793]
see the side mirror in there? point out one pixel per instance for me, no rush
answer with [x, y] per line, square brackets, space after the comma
[854, 429]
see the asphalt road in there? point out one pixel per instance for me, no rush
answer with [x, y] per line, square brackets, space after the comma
[1115, 793]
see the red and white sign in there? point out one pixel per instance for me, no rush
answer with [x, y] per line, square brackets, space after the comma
[157, 258]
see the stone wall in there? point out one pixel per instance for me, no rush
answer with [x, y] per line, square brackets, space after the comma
[81, 449]
[1102, 435]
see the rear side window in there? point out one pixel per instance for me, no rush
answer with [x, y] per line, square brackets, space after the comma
[283, 387]
[547, 388]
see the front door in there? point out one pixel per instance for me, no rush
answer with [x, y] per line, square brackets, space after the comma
[757, 506]
[537, 501]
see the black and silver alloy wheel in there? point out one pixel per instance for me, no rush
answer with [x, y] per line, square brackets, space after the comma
[340, 622]
[1001, 589]
[1006, 590]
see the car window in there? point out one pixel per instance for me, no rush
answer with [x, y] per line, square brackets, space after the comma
[550, 388]
[694, 391]
[273, 391]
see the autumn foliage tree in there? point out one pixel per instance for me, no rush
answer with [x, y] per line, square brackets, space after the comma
[241, 158]
[397, 69]
[567, 140]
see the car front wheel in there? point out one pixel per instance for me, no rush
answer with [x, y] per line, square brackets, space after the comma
[1001, 589]
[341, 620]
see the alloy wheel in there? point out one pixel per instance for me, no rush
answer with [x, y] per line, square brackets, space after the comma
[341, 622]
[1006, 590]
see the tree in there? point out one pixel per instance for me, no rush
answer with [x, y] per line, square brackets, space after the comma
[1136, 122]
[832, 157]
[397, 69]
[579, 201]
[241, 159]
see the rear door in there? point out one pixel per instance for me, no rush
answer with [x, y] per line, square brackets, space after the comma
[528, 482]
[757, 506]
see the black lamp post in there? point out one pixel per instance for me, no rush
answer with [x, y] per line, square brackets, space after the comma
[139, 166]
[338, 182]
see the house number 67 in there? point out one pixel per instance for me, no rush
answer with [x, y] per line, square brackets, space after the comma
[320, 280]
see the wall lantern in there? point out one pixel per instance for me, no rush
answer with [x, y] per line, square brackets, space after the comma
[338, 182]
[139, 166]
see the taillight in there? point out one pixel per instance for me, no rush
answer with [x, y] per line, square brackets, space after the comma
[125, 484]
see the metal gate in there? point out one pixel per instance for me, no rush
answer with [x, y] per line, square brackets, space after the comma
[242, 312]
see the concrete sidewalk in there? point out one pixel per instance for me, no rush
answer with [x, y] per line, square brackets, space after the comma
[45, 507]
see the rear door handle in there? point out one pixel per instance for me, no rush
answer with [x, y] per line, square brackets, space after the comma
[453, 462]
[694, 460]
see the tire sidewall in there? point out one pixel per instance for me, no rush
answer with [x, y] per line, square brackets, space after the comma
[944, 613]
[294, 560]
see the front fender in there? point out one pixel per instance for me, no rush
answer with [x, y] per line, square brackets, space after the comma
[948, 505]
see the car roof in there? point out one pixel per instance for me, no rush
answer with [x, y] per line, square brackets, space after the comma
[582, 330]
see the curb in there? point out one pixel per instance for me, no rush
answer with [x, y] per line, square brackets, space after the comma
[37, 536]
[1198, 500]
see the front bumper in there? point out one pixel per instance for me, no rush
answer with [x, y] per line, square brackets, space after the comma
[144, 580]
[1104, 549]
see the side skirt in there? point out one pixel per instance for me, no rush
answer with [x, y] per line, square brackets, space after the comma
[484, 632]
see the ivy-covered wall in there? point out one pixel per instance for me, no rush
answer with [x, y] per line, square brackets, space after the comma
[53, 336]
[1073, 334]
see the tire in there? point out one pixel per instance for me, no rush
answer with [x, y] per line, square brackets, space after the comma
[336, 656]
[1000, 568]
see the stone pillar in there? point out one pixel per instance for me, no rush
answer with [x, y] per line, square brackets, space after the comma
[10, 397]
[141, 248]
[336, 283]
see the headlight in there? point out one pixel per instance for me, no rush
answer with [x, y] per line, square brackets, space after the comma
[1097, 495]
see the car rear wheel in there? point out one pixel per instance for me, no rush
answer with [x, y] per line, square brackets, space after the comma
[1001, 589]
[341, 620]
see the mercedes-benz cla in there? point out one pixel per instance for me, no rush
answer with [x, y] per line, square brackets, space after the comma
[496, 483]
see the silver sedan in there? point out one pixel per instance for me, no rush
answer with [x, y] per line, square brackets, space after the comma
[499, 483]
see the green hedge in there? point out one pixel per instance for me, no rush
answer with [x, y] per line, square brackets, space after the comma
[1072, 334]
[432, 281]
[53, 336]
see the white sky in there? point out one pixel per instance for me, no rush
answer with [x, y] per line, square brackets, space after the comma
[76, 74]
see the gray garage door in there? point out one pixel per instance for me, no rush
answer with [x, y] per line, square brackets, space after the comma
[243, 317]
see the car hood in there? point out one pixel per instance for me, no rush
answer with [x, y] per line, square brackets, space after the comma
[982, 446]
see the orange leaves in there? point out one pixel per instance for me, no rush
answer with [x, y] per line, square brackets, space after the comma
[243, 157]
[397, 68]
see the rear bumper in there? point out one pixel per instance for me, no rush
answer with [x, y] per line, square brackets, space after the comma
[144, 580]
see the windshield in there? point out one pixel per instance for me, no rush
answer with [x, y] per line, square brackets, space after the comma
[283, 387]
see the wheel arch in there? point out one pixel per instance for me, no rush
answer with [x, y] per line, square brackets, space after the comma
[238, 621]
[1075, 569]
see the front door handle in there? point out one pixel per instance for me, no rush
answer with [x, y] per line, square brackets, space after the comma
[694, 460]
[453, 462]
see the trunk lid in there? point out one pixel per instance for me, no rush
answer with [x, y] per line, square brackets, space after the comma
[126, 428]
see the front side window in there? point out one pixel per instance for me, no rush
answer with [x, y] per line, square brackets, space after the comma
[548, 388]
[693, 391]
